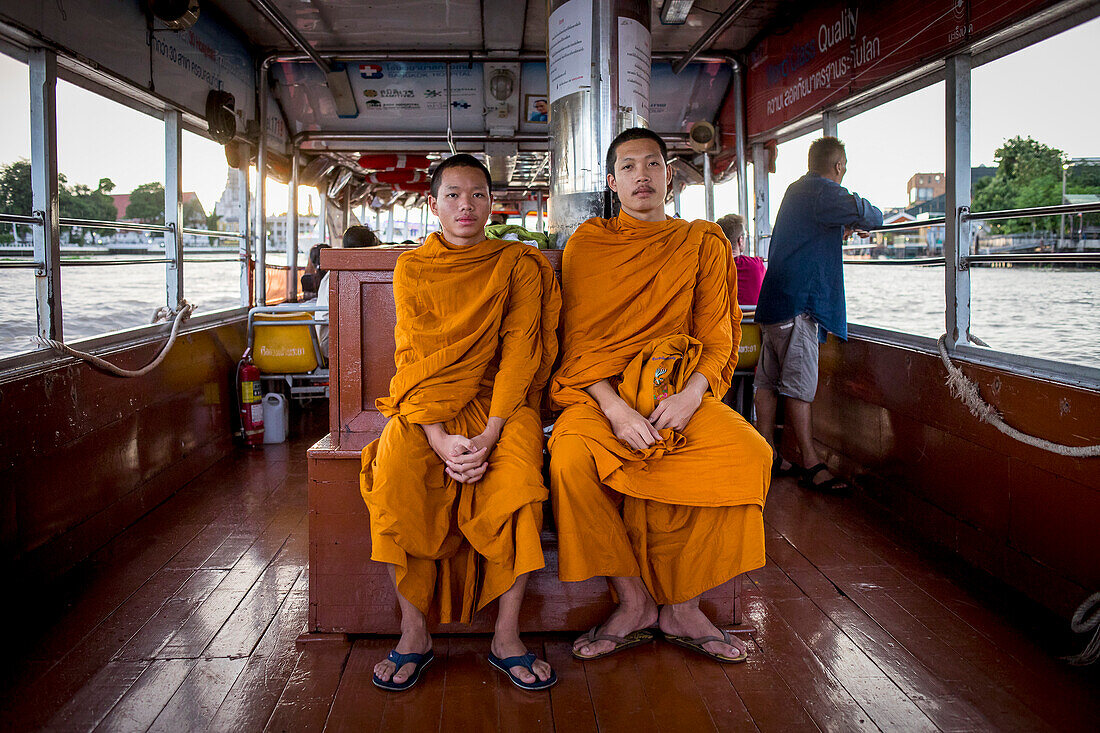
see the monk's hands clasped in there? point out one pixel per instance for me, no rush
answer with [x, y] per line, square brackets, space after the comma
[675, 411]
[630, 427]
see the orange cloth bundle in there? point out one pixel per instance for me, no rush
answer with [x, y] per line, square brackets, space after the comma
[476, 338]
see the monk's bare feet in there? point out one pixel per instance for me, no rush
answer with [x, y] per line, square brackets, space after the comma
[508, 645]
[686, 619]
[636, 611]
[412, 641]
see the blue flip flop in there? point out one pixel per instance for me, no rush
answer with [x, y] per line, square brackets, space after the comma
[523, 660]
[420, 660]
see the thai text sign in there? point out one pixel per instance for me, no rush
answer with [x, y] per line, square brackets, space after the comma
[839, 49]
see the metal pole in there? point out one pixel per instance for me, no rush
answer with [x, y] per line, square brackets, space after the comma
[423, 221]
[956, 244]
[761, 219]
[708, 188]
[829, 123]
[261, 195]
[244, 219]
[389, 227]
[538, 211]
[292, 229]
[173, 207]
[44, 194]
[1062, 218]
[742, 165]
[347, 212]
[676, 189]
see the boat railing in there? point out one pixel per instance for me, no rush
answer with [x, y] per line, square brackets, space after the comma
[37, 220]
[966, 217]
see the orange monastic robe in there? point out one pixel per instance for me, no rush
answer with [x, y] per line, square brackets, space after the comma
[476, 338]
[685, 515]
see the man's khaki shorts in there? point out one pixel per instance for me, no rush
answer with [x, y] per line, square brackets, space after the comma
[788, 358]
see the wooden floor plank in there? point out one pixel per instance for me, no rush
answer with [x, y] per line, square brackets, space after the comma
[469, 697]
[618, 695]
[520, 709]
[823, 697]
[359, 703]
[248, 704]
[166, 622]
[307, 697]
[145, 700]
[676, 702]
[94, 701]
[198, 697]
[570, 702]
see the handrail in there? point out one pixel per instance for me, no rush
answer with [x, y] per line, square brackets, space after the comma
[907, 261]
[212, 233]
[1056, 257]
[35, 218]
[124, 225]
[903, 225]
[1053, 210]
[108, 263]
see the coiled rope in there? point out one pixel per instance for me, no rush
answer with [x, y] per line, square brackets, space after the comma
[1081, 625]
[181, 315]
[967, 391]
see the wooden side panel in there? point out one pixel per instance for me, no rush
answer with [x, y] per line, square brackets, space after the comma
[89, 453]
[1020, 513]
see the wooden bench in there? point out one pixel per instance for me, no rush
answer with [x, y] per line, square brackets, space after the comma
[349, 593]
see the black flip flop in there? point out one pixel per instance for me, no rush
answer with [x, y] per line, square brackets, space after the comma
[523, 660]
[835, 485]
[778, 470]
[420, 660]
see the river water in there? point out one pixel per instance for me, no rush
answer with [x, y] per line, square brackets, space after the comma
[1043, 312]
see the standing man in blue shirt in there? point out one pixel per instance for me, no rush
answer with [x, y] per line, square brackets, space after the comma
[802, 298]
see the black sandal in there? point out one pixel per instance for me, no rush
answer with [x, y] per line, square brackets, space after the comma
[790, 470]
[835, 485]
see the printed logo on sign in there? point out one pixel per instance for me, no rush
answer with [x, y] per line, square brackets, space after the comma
[430, 93]
[370, 93]
[373, 103]
[461, 105]
[370, 71]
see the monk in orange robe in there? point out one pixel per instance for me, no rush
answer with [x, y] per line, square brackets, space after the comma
[655, 483]
[454, 484]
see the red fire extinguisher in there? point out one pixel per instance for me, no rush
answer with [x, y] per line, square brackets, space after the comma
[249, 397]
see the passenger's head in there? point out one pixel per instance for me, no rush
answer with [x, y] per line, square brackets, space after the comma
[360, 236]
[498, 218]
[462, 160]
[827, 158]
[734, 227]
[638, 171]
[461, 198]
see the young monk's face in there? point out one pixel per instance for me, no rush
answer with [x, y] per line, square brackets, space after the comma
[641, 178]
[463, 205]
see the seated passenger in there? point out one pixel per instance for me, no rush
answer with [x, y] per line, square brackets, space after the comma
[454, 484]
[354, 236]
[750, 270]
[313, 274]
[655, 483]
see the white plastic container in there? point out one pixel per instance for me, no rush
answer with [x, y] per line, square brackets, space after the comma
[276, 417]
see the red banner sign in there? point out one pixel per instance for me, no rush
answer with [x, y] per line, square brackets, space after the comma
[842, 48]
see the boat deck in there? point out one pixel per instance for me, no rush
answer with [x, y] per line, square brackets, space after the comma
[188, 621]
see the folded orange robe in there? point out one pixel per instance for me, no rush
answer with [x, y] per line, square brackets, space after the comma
[686, 514]
[476, 338]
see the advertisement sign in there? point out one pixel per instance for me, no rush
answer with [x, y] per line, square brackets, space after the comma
[841, 48]
[634, 67]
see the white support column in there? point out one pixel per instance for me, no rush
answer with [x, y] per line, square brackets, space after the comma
[244, 222]
[261, 195]
[44, 194]
[173, 208]
[742, 164]
[292, 229]
[708, 188]
[829, 123]
[956, 245]
[762, 221]
[389, 226]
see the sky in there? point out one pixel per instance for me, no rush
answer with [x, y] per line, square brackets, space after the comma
[1043, 91]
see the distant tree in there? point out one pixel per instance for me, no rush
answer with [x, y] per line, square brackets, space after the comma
[212, 220]
[1029, 173]
[15, 188]
[147, 203]
[80, 202]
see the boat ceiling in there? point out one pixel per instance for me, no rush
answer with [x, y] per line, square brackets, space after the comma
[468, 25]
